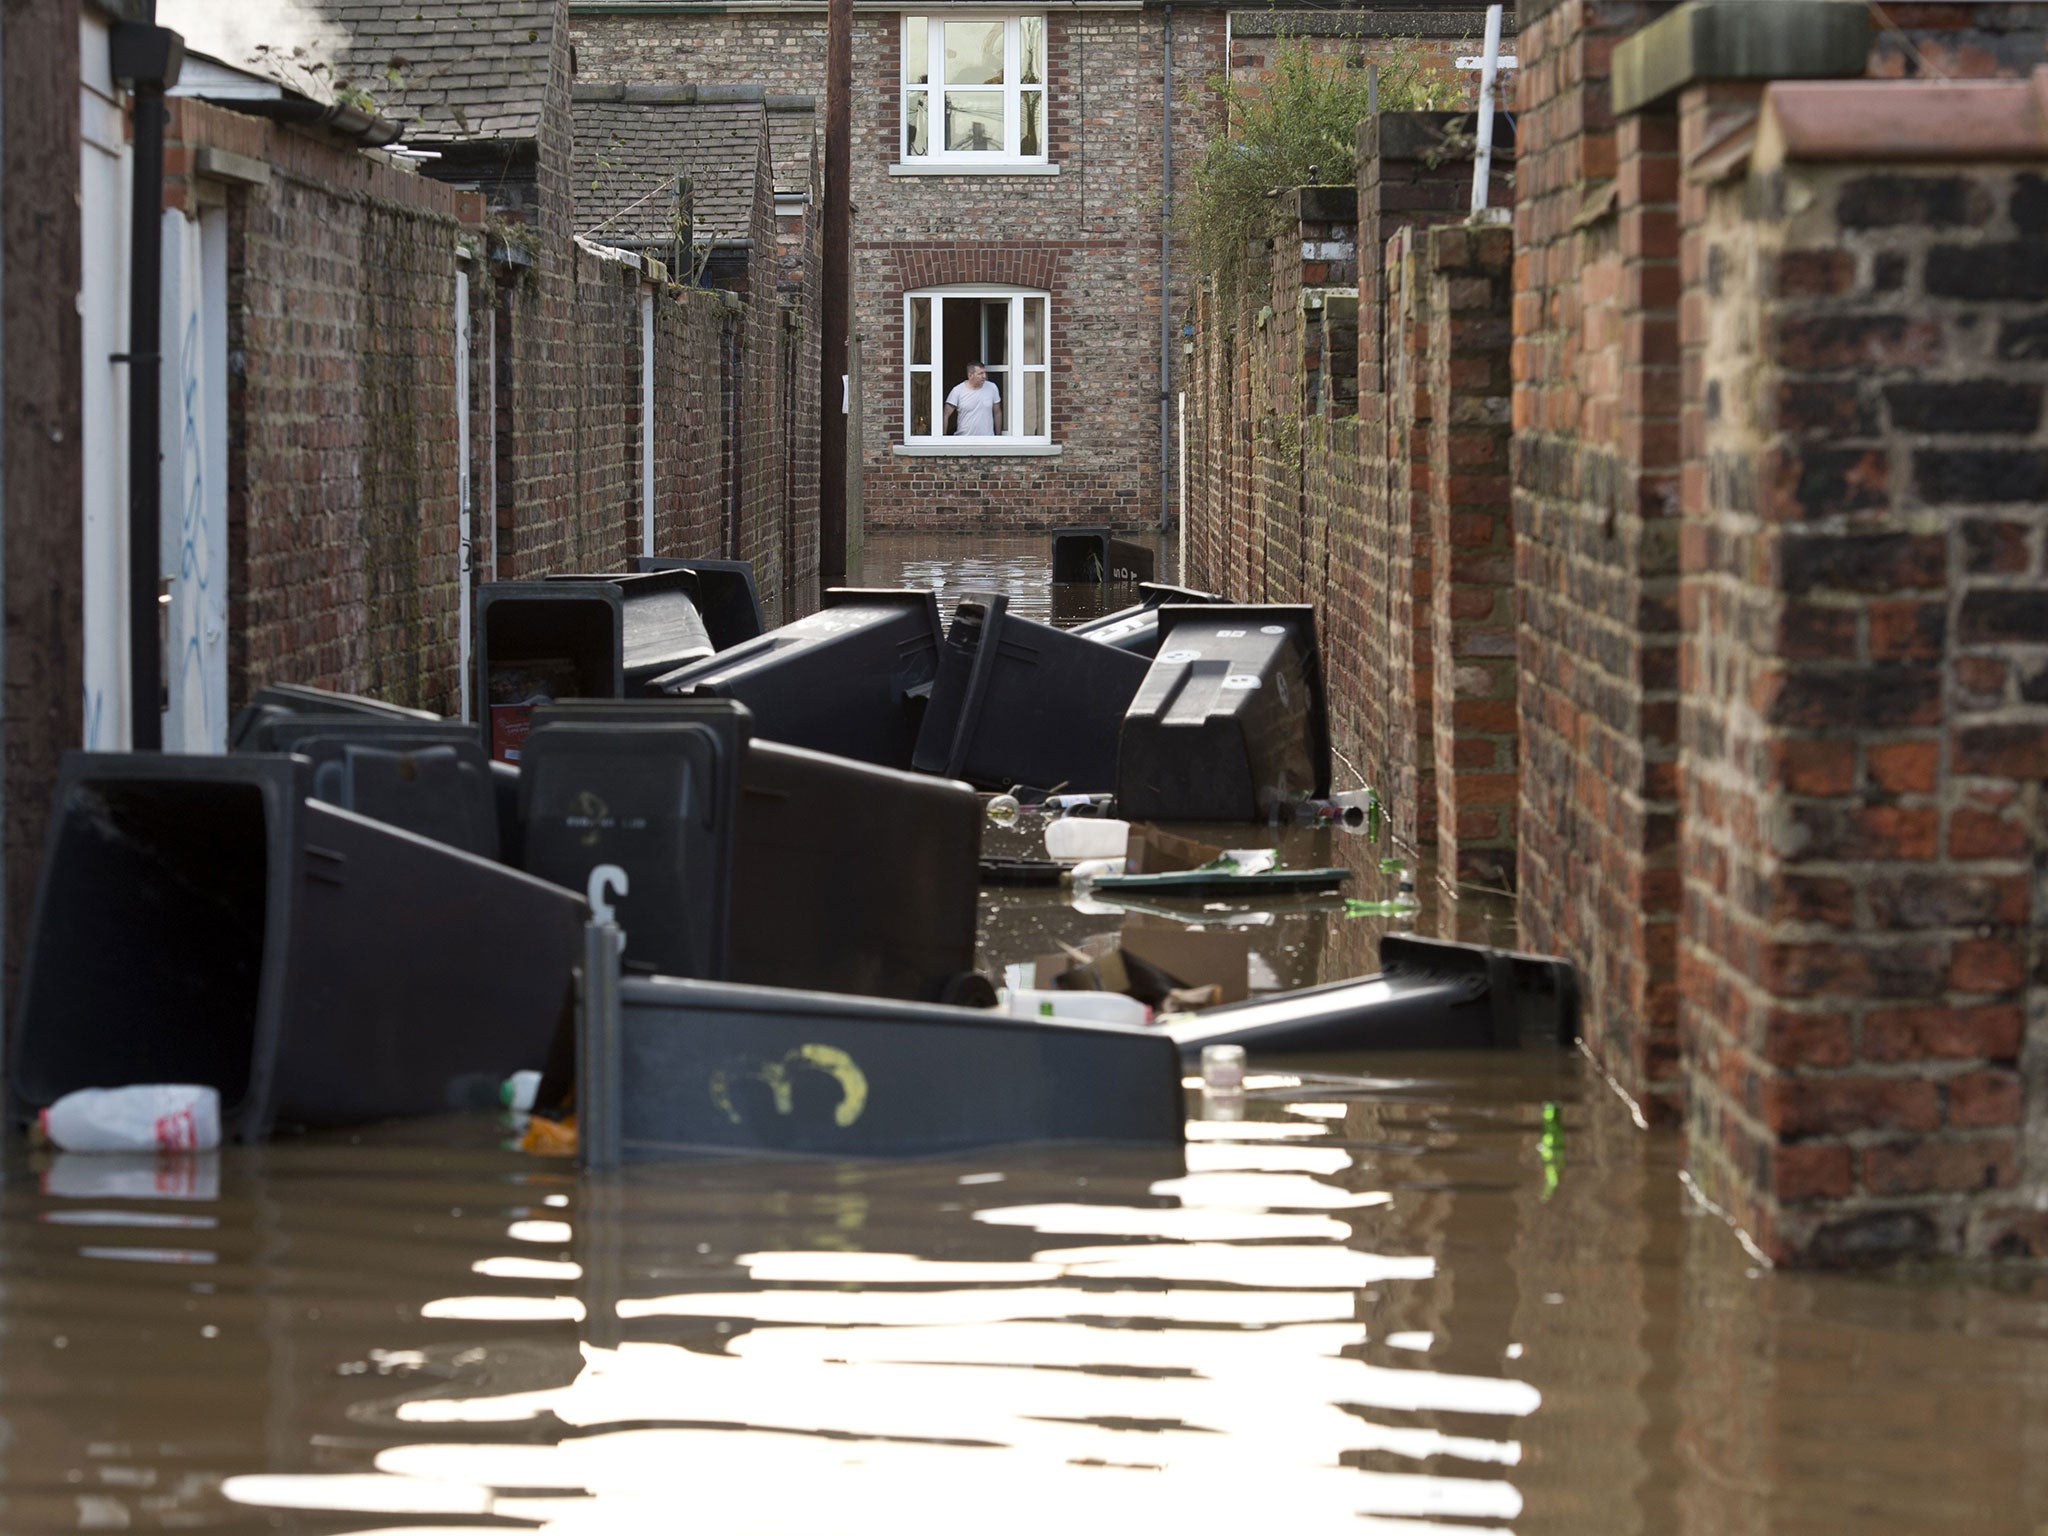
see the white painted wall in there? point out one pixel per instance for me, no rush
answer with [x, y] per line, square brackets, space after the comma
[194, 538]
[105, 169]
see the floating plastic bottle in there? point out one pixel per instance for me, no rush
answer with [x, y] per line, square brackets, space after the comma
[167, 1117]
[519, 1092]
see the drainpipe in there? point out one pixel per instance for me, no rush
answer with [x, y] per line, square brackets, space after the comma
[145, 58]
[1166, 288]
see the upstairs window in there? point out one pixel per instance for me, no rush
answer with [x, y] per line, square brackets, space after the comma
[973, 89]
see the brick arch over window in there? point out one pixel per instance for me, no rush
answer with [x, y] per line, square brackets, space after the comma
[1004, 266]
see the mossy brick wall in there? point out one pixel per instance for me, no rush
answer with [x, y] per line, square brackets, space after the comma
[343, 460]
[760, 447]
[1866, 723]
[1595, 508]
[689, 354]
[1089, 235]
[601, 522]
[1474, 720]
[538, 367]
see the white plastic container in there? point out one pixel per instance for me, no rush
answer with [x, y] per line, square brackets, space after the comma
[1093, 1007]
[151, 1117]
[1087, 837]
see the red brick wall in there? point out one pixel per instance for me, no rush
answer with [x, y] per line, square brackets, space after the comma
[1472, 589]
[1866, 724]
[1596, 550]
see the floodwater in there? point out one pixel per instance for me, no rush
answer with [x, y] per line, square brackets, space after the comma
[1399, 1296]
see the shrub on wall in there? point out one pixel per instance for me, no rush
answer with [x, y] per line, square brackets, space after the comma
[1296, 125]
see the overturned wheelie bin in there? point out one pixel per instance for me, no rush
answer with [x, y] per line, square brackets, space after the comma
[1136, 629]
[726, 595]
[907, 932]
[279, 707]
[637, 811]
[434, 782]
[660, 628]
[1019, 702]
[1230, 723]
[1097, 555]
[850, 679]
[199, 920]
[1430, 995]
[667, 1066]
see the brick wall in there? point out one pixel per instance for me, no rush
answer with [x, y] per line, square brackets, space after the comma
[1595, 509]
[1866, 721]
[1090, 236]
[1472, 588]
[343, 472]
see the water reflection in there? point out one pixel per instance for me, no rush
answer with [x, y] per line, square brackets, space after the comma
[1436, 1336]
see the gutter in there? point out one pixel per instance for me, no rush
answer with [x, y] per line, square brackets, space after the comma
[365, 128]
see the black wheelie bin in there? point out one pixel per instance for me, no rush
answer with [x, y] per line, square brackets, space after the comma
[1136, 629]
[1430, 995]
[1097, 555]
[1230, 723]
[279, 706]
[660, 627]
[726, 595]
[1018, 702]
[850, 679]
[912, 841]
[715, 1066]
[652, 797]
[200, 920]
[539, 641]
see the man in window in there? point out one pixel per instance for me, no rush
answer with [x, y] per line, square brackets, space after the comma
[978, 404]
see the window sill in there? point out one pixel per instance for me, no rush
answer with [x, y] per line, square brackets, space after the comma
[957, 449]
[959, 168]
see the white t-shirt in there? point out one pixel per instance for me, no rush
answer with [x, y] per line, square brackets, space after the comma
[977, 408]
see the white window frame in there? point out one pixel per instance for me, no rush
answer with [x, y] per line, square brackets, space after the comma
[932, 377]
[934, 88]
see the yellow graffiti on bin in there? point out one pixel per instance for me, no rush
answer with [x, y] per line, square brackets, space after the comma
[775, 1076]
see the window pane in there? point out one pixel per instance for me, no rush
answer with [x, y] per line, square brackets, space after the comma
[974, 52]
[1031, 51]
[921, 331]
[917, 52]
[1031, 408]
[917, 137]
[1000, 377]
[1034, 330]
[1030, 113]
[974, 121]
[920, 402]
[995, 332]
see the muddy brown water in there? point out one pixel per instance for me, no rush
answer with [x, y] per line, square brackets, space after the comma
[1391, 1299]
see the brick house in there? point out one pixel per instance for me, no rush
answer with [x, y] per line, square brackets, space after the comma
[1011, 181]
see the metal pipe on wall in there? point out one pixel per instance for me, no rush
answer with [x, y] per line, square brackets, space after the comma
[834, 306]
[146, 57]
[1166, 286]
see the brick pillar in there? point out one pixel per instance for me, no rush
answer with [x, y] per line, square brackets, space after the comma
[1414, 173]
[1595, 524]
[1472, 596]
[1866, 729]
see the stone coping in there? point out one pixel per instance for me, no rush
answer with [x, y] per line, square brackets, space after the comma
[1740, 40]
[1903, 120]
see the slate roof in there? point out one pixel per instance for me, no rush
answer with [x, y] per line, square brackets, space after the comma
[645, 152]
[448, 69]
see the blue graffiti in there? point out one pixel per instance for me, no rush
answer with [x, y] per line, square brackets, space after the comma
[195, 554]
